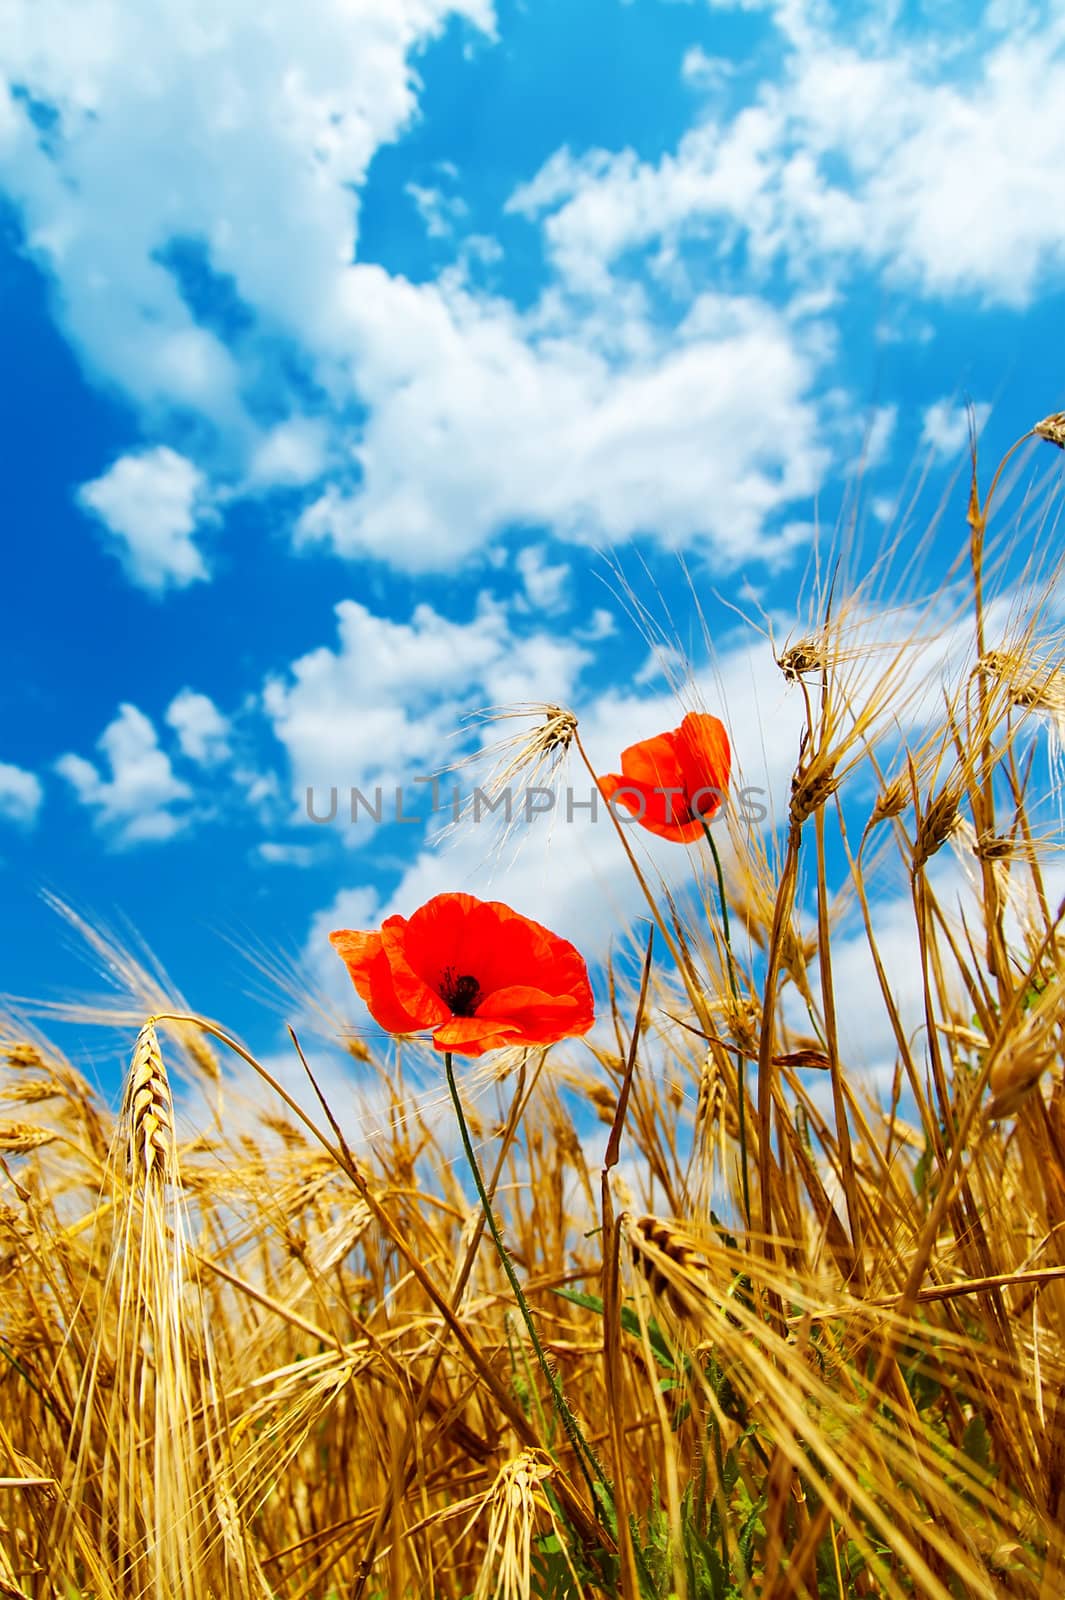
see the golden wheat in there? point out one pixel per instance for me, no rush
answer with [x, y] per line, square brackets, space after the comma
[824, 1343]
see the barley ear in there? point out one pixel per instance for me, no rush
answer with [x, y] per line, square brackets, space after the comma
[1052, 429]
[149, 1110]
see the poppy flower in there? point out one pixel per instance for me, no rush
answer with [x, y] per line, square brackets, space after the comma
[473, 973]
[676, 781]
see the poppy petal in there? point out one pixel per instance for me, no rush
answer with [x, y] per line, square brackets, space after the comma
[542, 1018]
[706, 761]
[437, 937]
[489, 941]
[679, 832]
[665, 813]
[505, 947]
[418, 997]
[655, 762]
[357, 951]
[364, 956]
[473, 1036]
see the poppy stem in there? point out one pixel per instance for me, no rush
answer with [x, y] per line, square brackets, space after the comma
[569, 1422]
[724, 909]
[741, 1060]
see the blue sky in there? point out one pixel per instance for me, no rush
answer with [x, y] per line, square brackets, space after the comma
[354, 361]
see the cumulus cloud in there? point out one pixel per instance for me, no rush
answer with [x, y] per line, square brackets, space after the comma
[202, 730]
[704, 71]
[151, 505]
[600, 625]
[699, 436]
[136, 804]
[21, 795]
[663, 661]
[945, 426]
[546, 585]
[329, 981]
[448, 414]
[460, 414]
[383, 706]
[945, 169]
[291, 454]
[276, 854]
[440, 212]
[264, 120]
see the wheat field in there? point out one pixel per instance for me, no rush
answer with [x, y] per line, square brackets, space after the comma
[813, 1344]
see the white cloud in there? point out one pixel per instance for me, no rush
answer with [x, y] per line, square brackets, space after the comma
[539, 666]
[441, 213]
[202, 730]
[384, 705]
[286, 855]
[151, 504]
[546, 586]
[133, 806]
[449, 413]
[480, 418]
[291, 454]
[945, 426]
[703, 71]
[879, 432]
[663, 661]
[973, 186]
[351, 908]
[264, 120]
[947, 172]
[460, 414]
[260, 788]
[601, 625]
[21, 795]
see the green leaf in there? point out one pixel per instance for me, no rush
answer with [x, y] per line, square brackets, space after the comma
[630, 1322]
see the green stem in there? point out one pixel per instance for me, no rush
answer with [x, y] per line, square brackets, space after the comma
[569, 1422]
[724, 909]
[741, 1064]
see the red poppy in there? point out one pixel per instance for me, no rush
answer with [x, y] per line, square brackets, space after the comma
[473, 972]
[675, 781]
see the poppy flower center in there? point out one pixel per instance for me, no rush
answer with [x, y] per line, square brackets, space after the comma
[462, 992]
